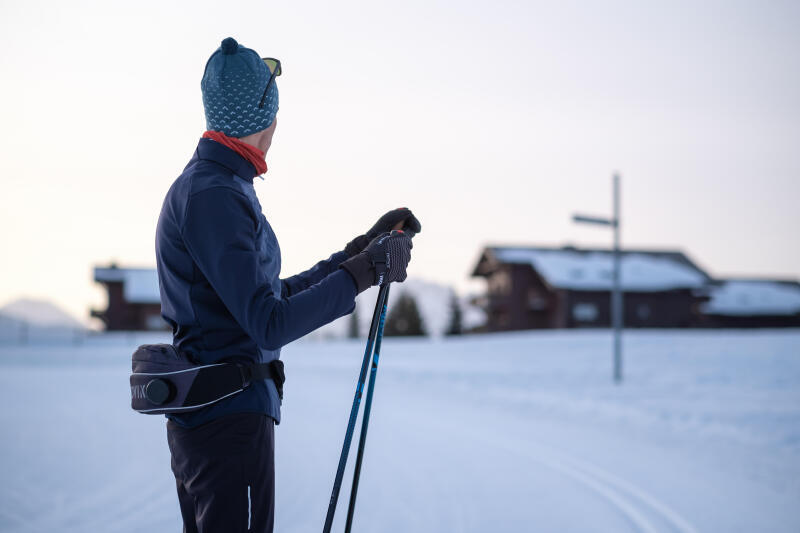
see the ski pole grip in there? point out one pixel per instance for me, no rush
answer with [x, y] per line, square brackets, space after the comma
[399, 226]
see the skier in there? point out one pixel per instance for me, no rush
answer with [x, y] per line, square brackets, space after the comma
[218, 269]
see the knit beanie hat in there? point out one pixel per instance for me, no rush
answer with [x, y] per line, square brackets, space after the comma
[233, 84]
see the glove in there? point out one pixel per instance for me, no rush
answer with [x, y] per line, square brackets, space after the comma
[384, 224]
[384, 260]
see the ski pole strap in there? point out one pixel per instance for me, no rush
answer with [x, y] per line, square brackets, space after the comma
[164, 380]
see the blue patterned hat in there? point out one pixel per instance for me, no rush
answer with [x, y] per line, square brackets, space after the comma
[232, 86]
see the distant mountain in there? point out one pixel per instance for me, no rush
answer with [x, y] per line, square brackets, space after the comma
[39, 313]
[433, 300]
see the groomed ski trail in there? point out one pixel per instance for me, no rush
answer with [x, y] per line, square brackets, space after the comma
[645, 512]
[642, 509]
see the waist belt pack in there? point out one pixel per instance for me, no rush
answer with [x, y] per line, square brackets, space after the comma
[165, 380]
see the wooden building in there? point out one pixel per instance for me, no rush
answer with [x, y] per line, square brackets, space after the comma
[550, 287]
[752, 303]
[134, 302]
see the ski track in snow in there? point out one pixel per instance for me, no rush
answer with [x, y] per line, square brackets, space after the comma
[633, 502]
[644, 512]
[519, 432]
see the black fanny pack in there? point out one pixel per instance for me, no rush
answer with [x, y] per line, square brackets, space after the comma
[164, 380]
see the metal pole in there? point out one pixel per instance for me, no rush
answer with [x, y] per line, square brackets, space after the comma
[616, 299]
[348, 525]
[351, 424]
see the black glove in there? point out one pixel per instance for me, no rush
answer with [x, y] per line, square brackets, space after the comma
[384, 260]
[384, 224]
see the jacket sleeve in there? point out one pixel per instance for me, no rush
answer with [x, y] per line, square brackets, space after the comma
[300, 282]
[219, 232]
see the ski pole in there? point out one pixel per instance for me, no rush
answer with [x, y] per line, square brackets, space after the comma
[367, 408]
[348, 437]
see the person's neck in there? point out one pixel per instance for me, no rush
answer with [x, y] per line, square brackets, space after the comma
[251, 153]
[259, 140]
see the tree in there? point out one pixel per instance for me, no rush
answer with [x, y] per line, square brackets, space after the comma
[455, 326]
[404, 318]
[352, 326]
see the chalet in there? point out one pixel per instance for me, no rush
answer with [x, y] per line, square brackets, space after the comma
[551, 287]
[752, 303]
[134, 302]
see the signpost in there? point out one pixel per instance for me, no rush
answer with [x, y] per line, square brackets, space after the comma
[616, 291]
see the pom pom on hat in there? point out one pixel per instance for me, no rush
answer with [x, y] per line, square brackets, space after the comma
[229, 46]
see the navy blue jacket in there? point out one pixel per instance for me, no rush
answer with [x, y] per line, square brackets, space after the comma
[218, 273]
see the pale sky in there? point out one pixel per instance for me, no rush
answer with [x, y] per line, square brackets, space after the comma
[493, 121]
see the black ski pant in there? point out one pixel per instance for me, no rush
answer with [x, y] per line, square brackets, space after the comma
[225, 473]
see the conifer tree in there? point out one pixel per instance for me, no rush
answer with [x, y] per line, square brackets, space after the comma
[404, 318]
[455, 326]
[352, 325]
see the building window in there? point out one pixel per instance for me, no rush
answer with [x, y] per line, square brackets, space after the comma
[536, 302]
[584, 312]
[643, 312]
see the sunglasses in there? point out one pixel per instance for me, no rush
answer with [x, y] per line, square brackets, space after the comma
[274, 66]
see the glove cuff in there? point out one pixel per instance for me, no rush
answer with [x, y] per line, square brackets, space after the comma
[362, 271]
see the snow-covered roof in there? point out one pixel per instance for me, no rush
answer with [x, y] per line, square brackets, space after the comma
[591, 270]
[754, 297]
[139, 285]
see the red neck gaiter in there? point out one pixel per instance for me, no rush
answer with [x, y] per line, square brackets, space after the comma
[252, 155]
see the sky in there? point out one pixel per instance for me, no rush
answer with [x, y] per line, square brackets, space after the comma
[493, 121]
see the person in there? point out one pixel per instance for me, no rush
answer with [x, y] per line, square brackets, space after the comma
[218, 269]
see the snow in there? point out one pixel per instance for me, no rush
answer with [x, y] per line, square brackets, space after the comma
[500, 432]
[39, 313]
[25, 320]
[754, 297]
[140, 285]
[592, 271]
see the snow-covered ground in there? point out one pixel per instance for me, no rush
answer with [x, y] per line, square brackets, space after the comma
[511, 432]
